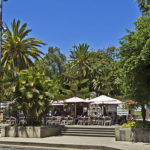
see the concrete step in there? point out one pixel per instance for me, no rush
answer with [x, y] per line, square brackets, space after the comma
[88, 130]
[85, 132]
[88, 135]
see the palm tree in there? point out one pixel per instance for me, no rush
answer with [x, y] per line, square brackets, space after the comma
[77, 88]
[81, 59]
[17, 50]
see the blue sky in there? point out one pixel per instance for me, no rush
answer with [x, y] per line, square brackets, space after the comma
[63, 23]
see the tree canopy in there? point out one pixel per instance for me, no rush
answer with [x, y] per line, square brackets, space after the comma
[144, 6]
[135, 60]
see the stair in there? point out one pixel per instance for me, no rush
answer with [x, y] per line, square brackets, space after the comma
[89, 131]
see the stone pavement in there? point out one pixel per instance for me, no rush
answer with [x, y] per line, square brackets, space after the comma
[80, 141]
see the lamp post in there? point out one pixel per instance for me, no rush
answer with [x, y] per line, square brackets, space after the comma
[1, 28]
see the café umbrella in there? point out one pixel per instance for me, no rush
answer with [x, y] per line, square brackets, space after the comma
[107, 102]
[104, 100]
[75, 100]
[57, 103]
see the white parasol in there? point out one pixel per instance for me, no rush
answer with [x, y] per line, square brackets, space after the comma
[104, 100]
[75, 100]
[57, 103]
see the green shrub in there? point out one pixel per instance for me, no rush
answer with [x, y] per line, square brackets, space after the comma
[129, 124]
[136, 124]
[31, 94]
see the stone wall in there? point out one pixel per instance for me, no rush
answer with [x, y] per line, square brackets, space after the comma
[133, 134]
[30, 131]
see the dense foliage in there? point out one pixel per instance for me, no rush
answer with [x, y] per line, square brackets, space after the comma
[136, 124]
[135, 66]
[144, 6]
[32, 93]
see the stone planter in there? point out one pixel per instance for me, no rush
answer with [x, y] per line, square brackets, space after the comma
[133, 134]
[30, 131]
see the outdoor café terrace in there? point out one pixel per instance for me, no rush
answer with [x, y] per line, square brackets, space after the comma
[101, 110]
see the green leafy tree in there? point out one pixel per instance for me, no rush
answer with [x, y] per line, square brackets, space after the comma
[76, 88]
[135, 60]
[78, 71]
[74, 85]
[31, 94]
[18, 50]
[105, 79]
[53, 62]
[56, 59]
[7, 79]
[144, 6]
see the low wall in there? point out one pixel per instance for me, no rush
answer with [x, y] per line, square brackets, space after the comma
[133, 134]
[30, 131]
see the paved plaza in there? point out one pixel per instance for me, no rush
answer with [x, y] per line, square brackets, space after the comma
[24, 147]
[75, 140]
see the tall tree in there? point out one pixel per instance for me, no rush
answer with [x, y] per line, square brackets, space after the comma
[18, 50]
[135, 60]
[144, 6]
[53, 62]
[81, 58]
[73, 84]
[75, 80]
[104, 82]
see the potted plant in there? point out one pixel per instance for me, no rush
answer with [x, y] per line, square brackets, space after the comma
[134, 131]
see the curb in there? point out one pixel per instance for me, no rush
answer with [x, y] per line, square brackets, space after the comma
[58, 145]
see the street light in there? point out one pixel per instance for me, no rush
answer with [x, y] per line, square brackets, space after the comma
[1, 28]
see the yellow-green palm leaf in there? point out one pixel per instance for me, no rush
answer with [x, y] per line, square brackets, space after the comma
[17, 50]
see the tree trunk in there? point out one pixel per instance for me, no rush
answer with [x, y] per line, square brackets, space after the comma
[143, 113]
[44, 119]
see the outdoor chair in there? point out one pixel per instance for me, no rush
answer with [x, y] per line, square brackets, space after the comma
[100, 121]
[87, 121]
[22, 120]
[53, 120]
[48, 120]
[57, 120]
[7, 120]
[64, 120]
[12, 120]
[94, 120]
[70, 121]
[80, 121]
[107, 121]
